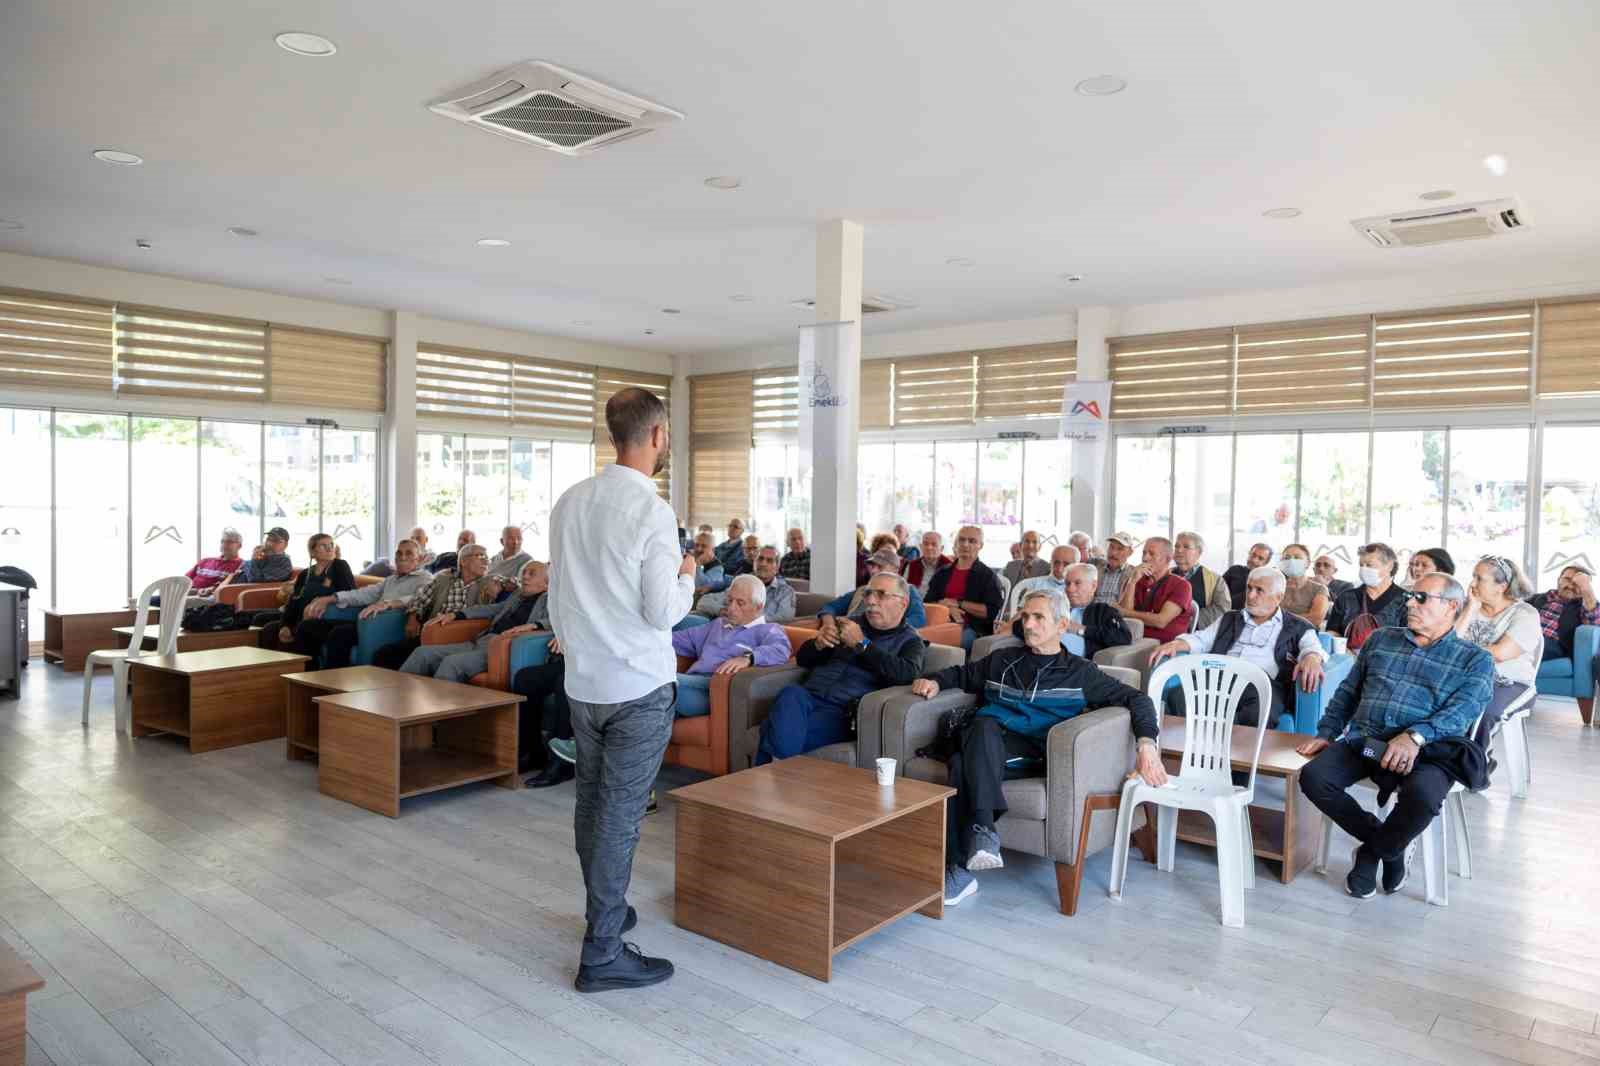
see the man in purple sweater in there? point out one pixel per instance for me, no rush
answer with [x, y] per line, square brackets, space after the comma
[738, 639]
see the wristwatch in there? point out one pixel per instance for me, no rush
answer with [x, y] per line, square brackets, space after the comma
[1416, 738]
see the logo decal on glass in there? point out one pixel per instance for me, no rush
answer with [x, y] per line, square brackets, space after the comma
[157, 532]
[341, 530]
[1558, 561]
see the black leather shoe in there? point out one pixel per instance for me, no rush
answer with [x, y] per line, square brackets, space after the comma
[632, 968]
[630, 921]
[554, 773]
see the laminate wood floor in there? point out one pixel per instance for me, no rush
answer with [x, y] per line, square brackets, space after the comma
[217, 909]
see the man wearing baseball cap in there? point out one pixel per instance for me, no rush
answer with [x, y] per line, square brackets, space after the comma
[268, 562]
[1117, 572]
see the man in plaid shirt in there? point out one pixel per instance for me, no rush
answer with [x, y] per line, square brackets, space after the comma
[449, 592]
[1410, 688]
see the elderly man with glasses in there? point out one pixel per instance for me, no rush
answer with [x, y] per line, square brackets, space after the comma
[1412, 690]
[847, 605]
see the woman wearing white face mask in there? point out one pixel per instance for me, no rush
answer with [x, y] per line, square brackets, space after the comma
[1376, 595]
[1303, 595]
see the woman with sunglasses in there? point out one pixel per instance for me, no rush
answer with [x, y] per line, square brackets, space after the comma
[1497, 620]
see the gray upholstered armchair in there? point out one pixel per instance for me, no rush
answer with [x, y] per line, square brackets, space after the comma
[1135, 656]
[1089, 755]
[751, 694]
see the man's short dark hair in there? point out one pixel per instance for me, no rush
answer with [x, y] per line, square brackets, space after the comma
[631, 414]
[278, 533]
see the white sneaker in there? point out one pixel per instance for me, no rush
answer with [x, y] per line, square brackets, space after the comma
[958, 885]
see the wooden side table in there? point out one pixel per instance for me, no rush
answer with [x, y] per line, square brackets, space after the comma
[69, 636]
[17, 979]
[204, 640]
[302, 731]
[216, 699]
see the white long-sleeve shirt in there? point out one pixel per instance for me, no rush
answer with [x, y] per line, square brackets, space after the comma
[1256, 642]
[615, 590]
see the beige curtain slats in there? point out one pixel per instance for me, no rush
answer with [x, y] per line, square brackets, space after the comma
[1305, 366]
[721, 427]
[1453, 357]
[524, 393]
[1025, 382]
[1172, 374]
[936, 389]
[92, 336]
[877, 376]
[186, 319]
[313, 368]
[1569, 347]
[162, 351]
[774, 414]
[52, 341]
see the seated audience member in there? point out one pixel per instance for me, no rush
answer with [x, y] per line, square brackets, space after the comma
[1087, 552]
[527, 611]
[861, 554]
[969, 588]
[545, 712]
[1211, 596]
[732, 549]
[1088, 627]
[796, 562]
[1236, 575]
[1016, 552]
[1263, 634]
[846, 661]
[738, 638]
[337, 639]
[1303, 595]
[269, 562]
[1497, 620]
[1027, 563]
[1326, 569]
[777, 594]
[902, 536]
[1413, 690]
[1117, 573]
[506, 565]
[448, 560]
[1429, 561]
[385, 567]
[1377, 595]
[210, 573]
[1061, 557]
[883, 561]
[1569, 605]
[1159, 598]
[746, 562]
[468, 585]
[1025, 691]
[326, 576]
[929, 561]
[708, 575]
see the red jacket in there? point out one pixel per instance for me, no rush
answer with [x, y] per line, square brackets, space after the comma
[917, 569]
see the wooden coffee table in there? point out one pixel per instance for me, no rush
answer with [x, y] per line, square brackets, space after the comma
[69, 636]
[380, 746]
[300, 708]
[187, 641]
[217, 699]
[797, 860]
[17, 980]
[1287, 835]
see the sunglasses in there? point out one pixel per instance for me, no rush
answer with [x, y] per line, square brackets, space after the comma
[1423, 597]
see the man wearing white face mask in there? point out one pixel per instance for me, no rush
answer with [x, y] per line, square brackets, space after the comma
[1377, 594]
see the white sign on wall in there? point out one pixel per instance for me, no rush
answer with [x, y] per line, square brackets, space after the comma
[1086, 422]
[827, 463]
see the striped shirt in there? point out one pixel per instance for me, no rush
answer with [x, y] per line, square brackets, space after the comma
[1398, 685]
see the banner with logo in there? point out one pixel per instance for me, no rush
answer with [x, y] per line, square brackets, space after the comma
[827, 458]
[1086, 422]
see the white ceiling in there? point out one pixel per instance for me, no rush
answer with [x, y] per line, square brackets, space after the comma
[949, 132]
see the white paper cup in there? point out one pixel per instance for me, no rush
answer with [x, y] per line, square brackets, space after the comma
[886, 772]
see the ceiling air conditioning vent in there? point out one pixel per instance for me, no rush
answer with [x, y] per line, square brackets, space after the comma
[870, 305]
[1456, 223]
[542, 104]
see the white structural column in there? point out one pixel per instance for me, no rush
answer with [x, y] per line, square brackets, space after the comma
[400, 433]
[678, 421]
[1091, 487]
[833, 445]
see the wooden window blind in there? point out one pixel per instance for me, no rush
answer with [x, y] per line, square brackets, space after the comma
[936, 389]
[1172, 374]
[547, 396]
[1303, 366]
[60, 342]
[314, 368]
[774, 410]
[1569, 347]
[720, 428]
[1471, 357]
[877, 392]
[1025, 382]
[463, 384]
[162, 352]
[608, 382]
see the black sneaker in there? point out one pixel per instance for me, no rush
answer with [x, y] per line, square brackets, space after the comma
[630, 921]
[1362, 881]
[631, 968]
[1396, 872]
[555, 772]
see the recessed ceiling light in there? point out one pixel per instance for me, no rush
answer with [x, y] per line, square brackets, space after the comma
[242, 231]
[740, 298]
[1100, 85]
[1437, 194]
[1072, 277]
[1282, 212]
[493, 242]
[9, 223]
[670, 311]
[960, 261]
[1496, 164]
[143, 244]
[338, 281]
[121, 159]
[306, 44]
[724, 183]
[582, 322]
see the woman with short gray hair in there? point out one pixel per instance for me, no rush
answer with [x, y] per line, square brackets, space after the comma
[1496, 619]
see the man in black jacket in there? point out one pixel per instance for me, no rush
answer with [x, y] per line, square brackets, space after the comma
[1089, 627]
[969, 588]
[1562, 611]
[1023, 692]
[1238, 574]
[847, 660]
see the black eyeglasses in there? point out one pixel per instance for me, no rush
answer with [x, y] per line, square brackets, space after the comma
[1424, 597]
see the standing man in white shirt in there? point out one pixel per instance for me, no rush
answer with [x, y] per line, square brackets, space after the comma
[618, 583]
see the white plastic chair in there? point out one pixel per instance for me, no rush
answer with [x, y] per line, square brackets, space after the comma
[1212, 685]
[172, 591]
[1512, 729]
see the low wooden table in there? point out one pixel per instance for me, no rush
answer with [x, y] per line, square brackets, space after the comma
[217, 699]
[69, 636]
[187, 641]
[1287, 835]
[17, 979]
[300, 709]
[797, 860]
[382, 745]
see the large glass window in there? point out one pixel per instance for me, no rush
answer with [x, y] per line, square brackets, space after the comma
[955, 486]
[770, 486]
[1408, 490]
[1333, 493]
[487, 487]
[294, 483]
[999, 498]
[166, 471]
[1488, 493]
[875, 488]
[1047, 490]
[570, 463]
[25, 505]
[1144, 486]
[350, 493]
[230, 482]
[1202, 492]
[530, 494]
[1265, 485]
[92, 512]
[913, 486]
[1569, 504]
[439, 488]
